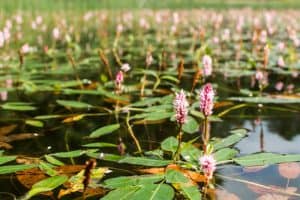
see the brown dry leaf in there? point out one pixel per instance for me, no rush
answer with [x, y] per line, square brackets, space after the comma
[225, 195]
[73, 118]
[289, 170]
[222, 104]
[27, 160]
[159, 170]
[193, 176]
[121, 102]
[285, 96]
[19, 136]
[31, 176]
[4, 130]
[5, 145]
[75, 183]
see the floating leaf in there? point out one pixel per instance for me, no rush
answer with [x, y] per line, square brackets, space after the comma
[144, 161]
[75, 183]
[47, 168]
[190, 153]
[18, 106]
[69, 154]
[153, 192]
[5, 159]
[7, 169]
[99, 145]
[175, 176]
[225, 154]
[265, 159]
[45, 185]
[104, 130]
[34, 123]
[123, 181]
[190, 192]
[236, 135]
[170, 144]
[53, 160]
[123, 193]
[266, 100]
[191, 125]
[74, 104]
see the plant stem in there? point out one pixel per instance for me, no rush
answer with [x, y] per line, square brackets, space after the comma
[205, 134]
[132, 134]
[179, 138]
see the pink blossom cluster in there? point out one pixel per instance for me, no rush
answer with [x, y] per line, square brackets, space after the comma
[8, 84]
[207, 65]
[181, 107]
[208, 165]
[207, 99]
[119, 80]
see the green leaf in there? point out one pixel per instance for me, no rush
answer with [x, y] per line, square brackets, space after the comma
[53, 160]
[99, 145]
[265, 159]
[105, 156]
[74, 104]
[18, 106]
[7, 169]
[236, 136]
[123, 193]
[153, 192]
[47, 168]
[45, 186]
[190, 192]
[104, 130]
[69, 154]
[158, 116]
[175, 176]
[225, 154]
[190, 153]
[191, 126]
[144, 161]
[123, 181]
[5, 159]
[34, 123]
[170, 144]
[266, 100]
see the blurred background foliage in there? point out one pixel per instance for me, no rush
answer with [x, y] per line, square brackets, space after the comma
[83, 5]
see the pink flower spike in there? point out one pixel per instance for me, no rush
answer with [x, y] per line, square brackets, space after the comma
[207, 99]
[119, 78]
[208, 165]
[259, 75]
[207, 65]
[125, 67]
[280, 62]
[181, 107]
[279, 86]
